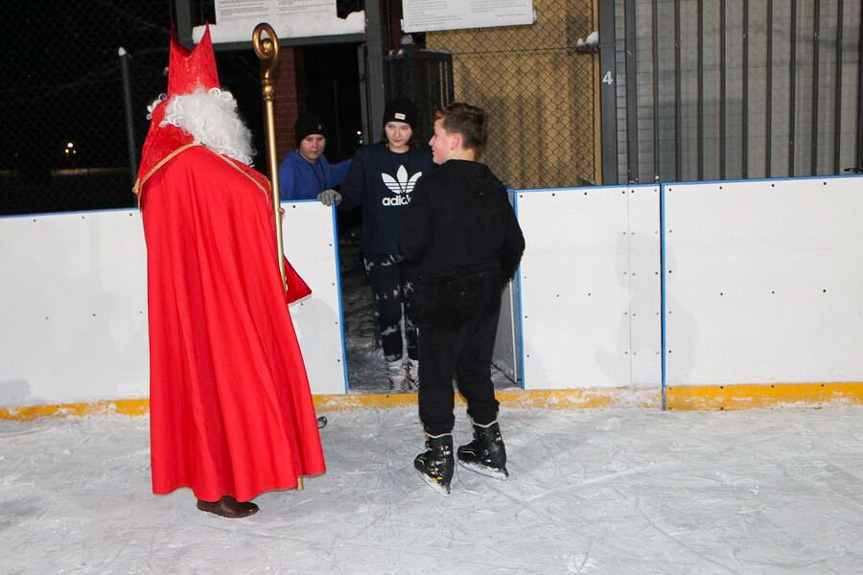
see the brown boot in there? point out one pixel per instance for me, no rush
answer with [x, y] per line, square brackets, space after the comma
[229, 507]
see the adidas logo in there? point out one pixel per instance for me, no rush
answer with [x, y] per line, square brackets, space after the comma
[401, 185]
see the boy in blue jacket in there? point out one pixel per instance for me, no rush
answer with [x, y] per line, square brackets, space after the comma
[305, 173]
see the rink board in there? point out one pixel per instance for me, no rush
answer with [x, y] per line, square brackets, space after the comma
[764, 282]
[761, 285]
[74, 316]
[311, 246]
[589, 287]
[74, 311]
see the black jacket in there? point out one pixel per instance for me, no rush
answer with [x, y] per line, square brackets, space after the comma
[461, 231]
[381, 182]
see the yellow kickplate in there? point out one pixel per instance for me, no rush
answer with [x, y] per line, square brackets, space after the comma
[677, 398]
[759, 396]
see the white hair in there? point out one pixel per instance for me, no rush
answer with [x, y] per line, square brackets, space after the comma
[212, 119]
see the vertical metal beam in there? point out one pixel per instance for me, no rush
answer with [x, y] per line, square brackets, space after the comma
[450, 82]
[745, 112]
[722, 87]
[131, 142]
[608, 92]
[792, 90]
[700, 32]
[655, 39]
[375, 68]
[631, 93]
[768, 94]
[816, 38]
[837, 111]
[362, 65]
[183, 21]
[678, 112]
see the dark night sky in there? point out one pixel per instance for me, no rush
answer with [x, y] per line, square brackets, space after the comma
[63, 79]
[62, 83]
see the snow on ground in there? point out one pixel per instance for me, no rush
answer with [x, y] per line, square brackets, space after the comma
[591, 491]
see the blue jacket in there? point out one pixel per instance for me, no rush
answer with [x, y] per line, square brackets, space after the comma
[301, 180]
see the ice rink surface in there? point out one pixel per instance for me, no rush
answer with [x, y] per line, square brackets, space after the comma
[615, 491]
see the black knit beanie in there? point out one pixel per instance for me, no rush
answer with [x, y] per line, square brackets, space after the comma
[308, 124]
[401, 110]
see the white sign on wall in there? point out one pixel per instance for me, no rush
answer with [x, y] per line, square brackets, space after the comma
[429, 15]
[228, 11]
[236, 19]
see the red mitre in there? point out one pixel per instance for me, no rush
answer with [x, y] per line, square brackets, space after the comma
[188, 70]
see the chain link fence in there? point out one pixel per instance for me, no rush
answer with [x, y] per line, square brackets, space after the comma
[62, 105]
[425, 77]
[539, 91]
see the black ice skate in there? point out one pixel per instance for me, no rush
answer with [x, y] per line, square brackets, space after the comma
[486, 454]
[436, 465]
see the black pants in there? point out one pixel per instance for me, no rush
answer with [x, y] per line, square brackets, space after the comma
[458, 324]
[393, 285]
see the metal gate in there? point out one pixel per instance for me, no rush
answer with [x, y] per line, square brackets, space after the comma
[729, 89]
[425, 77]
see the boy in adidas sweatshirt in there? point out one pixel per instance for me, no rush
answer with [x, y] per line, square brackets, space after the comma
[461, 232]
[381, 181]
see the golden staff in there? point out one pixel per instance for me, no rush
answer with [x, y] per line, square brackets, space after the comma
[267, 49]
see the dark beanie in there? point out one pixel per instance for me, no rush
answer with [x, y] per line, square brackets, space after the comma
[308, 124]
[401, 110]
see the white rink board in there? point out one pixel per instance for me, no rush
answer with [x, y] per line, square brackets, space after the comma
[590, 298]
[764, 282]
[74, 317]
[310, 245]
[74, 313]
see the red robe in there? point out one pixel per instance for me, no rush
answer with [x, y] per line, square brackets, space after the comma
[230, 408]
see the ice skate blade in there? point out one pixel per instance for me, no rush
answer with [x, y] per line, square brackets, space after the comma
[440, 489]
[500, 474]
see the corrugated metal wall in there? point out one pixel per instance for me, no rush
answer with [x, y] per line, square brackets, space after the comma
[735, 89]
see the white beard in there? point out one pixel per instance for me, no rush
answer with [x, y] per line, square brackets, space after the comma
[212, 119]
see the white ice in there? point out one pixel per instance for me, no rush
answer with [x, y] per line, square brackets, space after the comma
[591, 491]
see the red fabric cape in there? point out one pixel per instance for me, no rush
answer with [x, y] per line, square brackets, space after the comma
[230, 408]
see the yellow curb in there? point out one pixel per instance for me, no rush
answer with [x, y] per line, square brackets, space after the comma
[710, 397]
[511, 398]
[728, 397]
[131, 407]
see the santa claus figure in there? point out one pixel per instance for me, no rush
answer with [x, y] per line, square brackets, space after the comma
[231, 414]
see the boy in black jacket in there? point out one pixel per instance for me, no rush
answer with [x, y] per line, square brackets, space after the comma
[461, 232]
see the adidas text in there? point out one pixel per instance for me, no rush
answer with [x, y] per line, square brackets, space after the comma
[396, 201]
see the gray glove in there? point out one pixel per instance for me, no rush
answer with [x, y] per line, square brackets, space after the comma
[330, 198]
